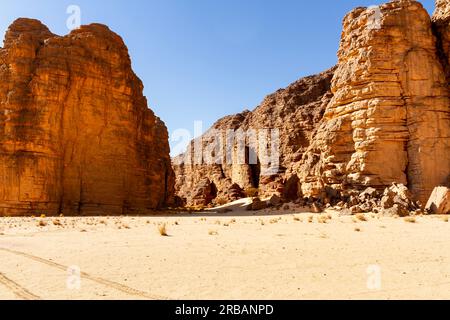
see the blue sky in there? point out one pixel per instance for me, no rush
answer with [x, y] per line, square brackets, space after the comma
[204, 59]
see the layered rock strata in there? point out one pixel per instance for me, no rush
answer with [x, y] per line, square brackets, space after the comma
[389, 119]
[383, 120]
[76, 135]
[292, 114]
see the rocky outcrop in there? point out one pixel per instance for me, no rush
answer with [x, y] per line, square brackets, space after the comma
[384, 120]
[294, 111]
[76, 135]
[441, 22]
[389, 119]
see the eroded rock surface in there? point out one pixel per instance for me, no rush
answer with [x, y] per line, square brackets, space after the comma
[441, 22]
[294, 111]
[389, 119]
[383, 120]
[76, 135]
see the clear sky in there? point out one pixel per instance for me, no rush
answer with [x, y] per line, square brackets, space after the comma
[204, 59]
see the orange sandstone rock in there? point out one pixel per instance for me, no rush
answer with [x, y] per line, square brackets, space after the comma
[76, 135]
[389, 119]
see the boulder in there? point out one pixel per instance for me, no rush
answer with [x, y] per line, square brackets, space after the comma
[257, 205]
[439, 202]
[275, 200]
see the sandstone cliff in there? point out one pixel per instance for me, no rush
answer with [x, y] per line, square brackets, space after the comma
[295, 111]
[389, 119]
[383, 119]
[76, 135]
[441, 22]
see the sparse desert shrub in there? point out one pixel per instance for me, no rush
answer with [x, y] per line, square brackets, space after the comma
[162, 229]
[410, 219]
[311, 219]
[322, 219]
[213, 233]
[357, 229]
[56, 222]
[361, 217]
[445, 218]
[43, 216]
[42, 223]
[297, 219]
[251, 192]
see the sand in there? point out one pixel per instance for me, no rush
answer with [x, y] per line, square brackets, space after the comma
[238, 255]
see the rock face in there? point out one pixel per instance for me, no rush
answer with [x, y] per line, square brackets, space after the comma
[76, 135]
[382, 117]
[441, 22]
[294, 111]
[389, 119]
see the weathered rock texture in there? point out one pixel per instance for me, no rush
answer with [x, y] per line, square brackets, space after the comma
[386, 120]
[389, 119]
[441, 22]
[294, 111]
[76, 135]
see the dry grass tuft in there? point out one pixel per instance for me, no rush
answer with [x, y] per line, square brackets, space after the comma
[213, 233]
[42, 223]
[445, 218]
[43, 216]
[162, 229]
[298, 219]
[361, 217]
[310, 219]
[410, 219]
[358, 229]
[56, 222]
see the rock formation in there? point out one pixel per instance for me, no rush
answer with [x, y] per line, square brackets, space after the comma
[441, 22]
[294, 111]
[389, 119]
[383, 120]
[76, 135]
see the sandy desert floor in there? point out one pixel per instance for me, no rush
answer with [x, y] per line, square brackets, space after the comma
[239, 255]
